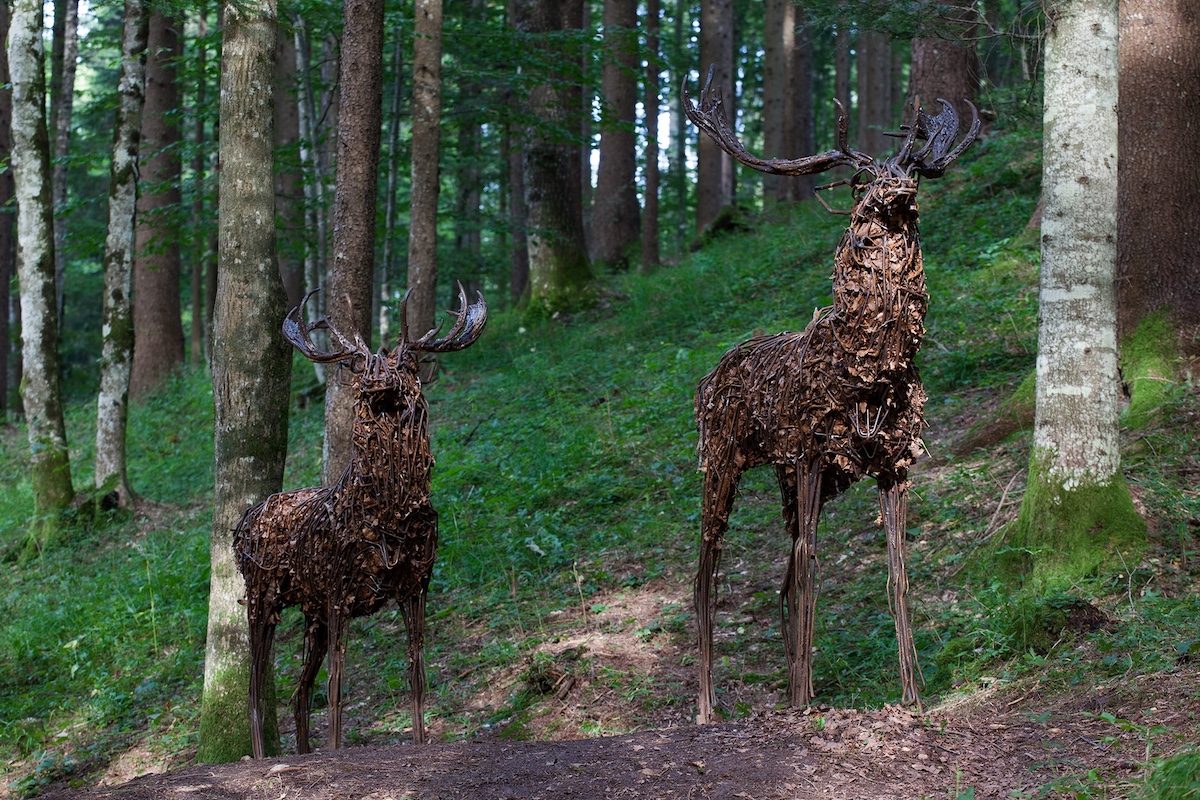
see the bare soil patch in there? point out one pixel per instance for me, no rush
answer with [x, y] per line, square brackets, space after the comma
[1015, 742]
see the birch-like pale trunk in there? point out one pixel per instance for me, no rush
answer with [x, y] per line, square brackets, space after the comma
[60, 123]
[1077, 382]
[116, 348]
[251, 367]
[49, 459]
[1076, 513]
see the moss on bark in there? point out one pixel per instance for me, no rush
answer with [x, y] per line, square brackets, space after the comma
[1068, 533]
[1149, 357]
[225, 723]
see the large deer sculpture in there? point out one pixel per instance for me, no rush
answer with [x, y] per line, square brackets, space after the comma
[838, 401]
[345, 550]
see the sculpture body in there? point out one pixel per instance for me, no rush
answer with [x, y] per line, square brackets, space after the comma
[836, 402]
[345, 550]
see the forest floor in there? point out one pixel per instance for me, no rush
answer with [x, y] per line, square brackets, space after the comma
[1021, 741]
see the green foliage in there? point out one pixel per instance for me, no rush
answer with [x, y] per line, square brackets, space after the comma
[1174, 778]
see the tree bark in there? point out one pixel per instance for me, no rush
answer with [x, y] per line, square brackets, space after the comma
[199, 243]
[1076, 513]
[651, 103]
[680, 131]
[945, 68]
[62, 103]
[8, 249]
[714, 178]
[388, 268]
[560, 275]
[518, 262]
[426, 150]
[116, 349]
[352, 276]
[802, 127]
[615, 212]
[251, 366]
[49, 459]
[779, 52]
[312, 155]
[288, 192]
[874, 92]
[1158, 209]
[157, 317]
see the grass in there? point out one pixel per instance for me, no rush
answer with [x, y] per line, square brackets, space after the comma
[568, 500]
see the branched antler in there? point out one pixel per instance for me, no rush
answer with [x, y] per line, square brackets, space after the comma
[710, 117]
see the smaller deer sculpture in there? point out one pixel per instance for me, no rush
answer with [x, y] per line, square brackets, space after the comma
[837, 401]
[345, 550]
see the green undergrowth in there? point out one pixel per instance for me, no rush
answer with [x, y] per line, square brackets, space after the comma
[568, 497]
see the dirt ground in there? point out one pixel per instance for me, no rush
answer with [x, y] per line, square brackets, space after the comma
[999, 744]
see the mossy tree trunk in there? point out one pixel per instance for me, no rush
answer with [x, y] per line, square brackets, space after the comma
[251, 367]
[116, 348]
[426, 149]
[1159, 285]
[7, 245]
[49, 459]
[1077, 516]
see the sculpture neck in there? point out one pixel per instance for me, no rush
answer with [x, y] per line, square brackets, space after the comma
[390, 457]
[879, 294]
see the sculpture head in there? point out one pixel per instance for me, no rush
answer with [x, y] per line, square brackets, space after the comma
[389, 376]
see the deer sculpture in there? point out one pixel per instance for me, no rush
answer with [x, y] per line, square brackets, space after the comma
[837, 401]
[345, 550]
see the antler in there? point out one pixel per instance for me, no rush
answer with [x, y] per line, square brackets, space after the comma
[469, 321]
[710, 118]
[939, 133]
[296, 331]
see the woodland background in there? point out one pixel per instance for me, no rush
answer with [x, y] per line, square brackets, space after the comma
[566, 118]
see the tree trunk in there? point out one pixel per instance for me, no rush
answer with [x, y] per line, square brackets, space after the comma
[802, 126]
[389, 266]
[157, 318]
[714, 178]
[312, 155]
[49, 460]
[615, 211]
[251, 368]
[841, 66]
[560, 276]
[1158, 228]
[116, 350]
[8, 249]
[62, 103]
[945, 68]
[352, 277]
[518, 263]
[680, 131]
[426, 150]
[199, 243]
[779, 52]
[1076, 514]
[468, 184]
[874, 92]
[289, 220]
[651, 103]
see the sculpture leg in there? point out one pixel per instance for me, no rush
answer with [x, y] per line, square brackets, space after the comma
[719, 490]
[316, 642]
[893, 507]
[337, 659]
[801, 489]
[413, 610]
[262, 635]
